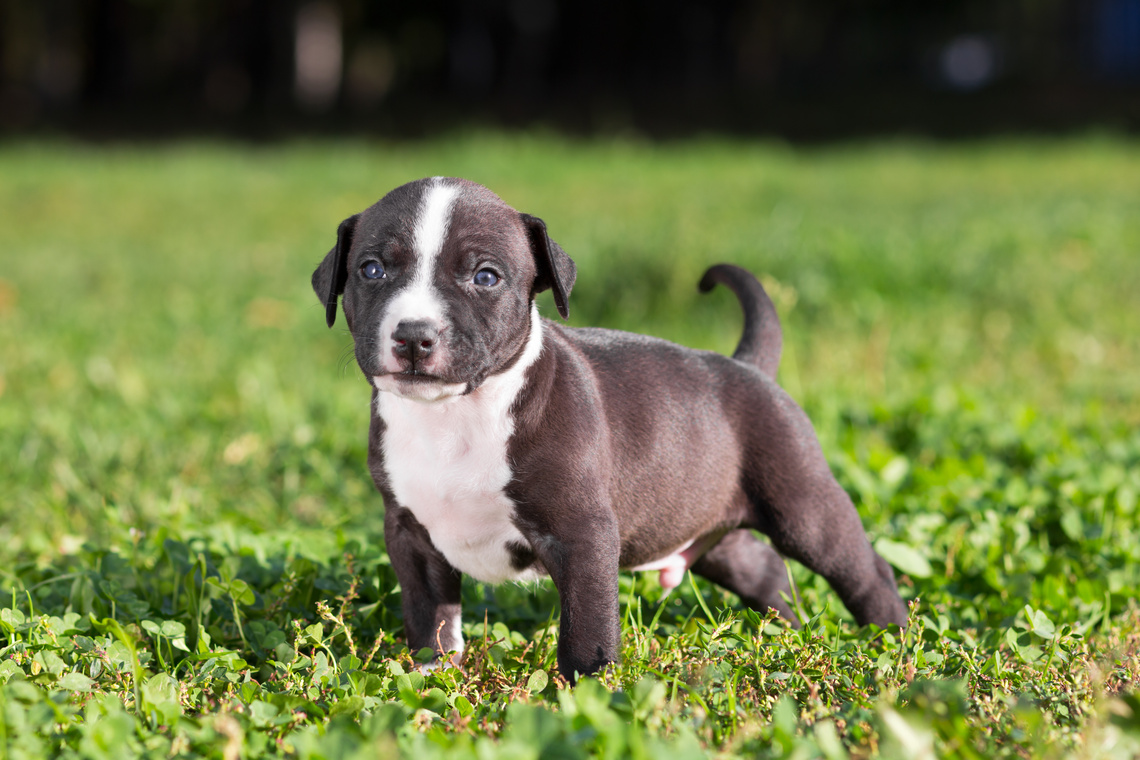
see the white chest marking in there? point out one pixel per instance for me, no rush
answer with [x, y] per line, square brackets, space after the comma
[447, 462]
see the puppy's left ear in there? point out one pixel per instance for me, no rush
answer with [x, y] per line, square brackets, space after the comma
[331, 275]
[556, 270]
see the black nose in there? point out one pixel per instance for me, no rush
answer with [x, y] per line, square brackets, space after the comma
[415, 340]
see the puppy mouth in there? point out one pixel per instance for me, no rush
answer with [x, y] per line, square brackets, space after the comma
[412, 377]
[418, 385]
[406, 376]
[417, 376]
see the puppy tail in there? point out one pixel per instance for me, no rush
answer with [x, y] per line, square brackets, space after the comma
[762, 339]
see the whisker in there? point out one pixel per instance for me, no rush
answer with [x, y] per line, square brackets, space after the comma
[345, 360]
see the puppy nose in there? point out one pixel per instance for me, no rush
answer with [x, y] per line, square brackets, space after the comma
[415, 340]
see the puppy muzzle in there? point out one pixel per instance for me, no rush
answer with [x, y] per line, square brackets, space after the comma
[414, 342]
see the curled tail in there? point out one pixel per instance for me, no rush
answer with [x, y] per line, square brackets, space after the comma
[762, 339]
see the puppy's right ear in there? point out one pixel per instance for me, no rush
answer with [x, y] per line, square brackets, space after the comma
[329, 279]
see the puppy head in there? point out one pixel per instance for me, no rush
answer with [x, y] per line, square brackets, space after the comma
[439, 277]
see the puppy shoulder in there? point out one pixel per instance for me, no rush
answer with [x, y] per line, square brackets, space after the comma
[561, 391]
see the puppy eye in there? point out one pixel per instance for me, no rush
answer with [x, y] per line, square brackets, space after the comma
[486, 278]
[372, 270]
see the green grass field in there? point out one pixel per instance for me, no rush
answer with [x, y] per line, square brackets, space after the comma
[191, 551]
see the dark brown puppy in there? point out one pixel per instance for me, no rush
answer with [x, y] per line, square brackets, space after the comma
[509, 447]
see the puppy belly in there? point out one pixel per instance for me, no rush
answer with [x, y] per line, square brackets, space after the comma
[672, 566]
[671, 570]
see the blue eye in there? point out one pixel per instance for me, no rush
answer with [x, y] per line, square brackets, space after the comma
[486, 278]
[372, 270]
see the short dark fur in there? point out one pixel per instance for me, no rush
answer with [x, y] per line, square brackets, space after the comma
[624, 446]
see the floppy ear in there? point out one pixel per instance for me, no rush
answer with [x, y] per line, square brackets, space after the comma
[555, 269]
[329, 279]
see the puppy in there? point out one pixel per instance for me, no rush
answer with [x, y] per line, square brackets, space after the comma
[510, 447]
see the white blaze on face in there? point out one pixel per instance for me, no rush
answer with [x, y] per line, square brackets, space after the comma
[434, 221]
[419, 299]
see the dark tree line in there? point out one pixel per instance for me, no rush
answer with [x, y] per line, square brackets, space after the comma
[802, 68]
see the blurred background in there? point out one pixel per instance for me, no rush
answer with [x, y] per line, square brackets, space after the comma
[800, 70]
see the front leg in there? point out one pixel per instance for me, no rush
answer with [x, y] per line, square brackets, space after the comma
[430, 585]
[581, 557]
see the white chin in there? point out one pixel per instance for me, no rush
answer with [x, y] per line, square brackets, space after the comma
[417, 390]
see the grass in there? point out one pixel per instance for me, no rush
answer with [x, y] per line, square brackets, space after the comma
[191, 554]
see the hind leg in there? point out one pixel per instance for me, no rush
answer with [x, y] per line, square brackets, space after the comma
[797, 503]
[818, 526]
[749, 568]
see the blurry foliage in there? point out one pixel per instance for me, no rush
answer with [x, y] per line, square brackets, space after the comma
[805, 69]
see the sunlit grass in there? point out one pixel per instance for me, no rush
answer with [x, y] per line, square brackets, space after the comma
[959, 320]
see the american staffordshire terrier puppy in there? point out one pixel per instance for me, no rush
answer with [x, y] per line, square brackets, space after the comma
[510, 447]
